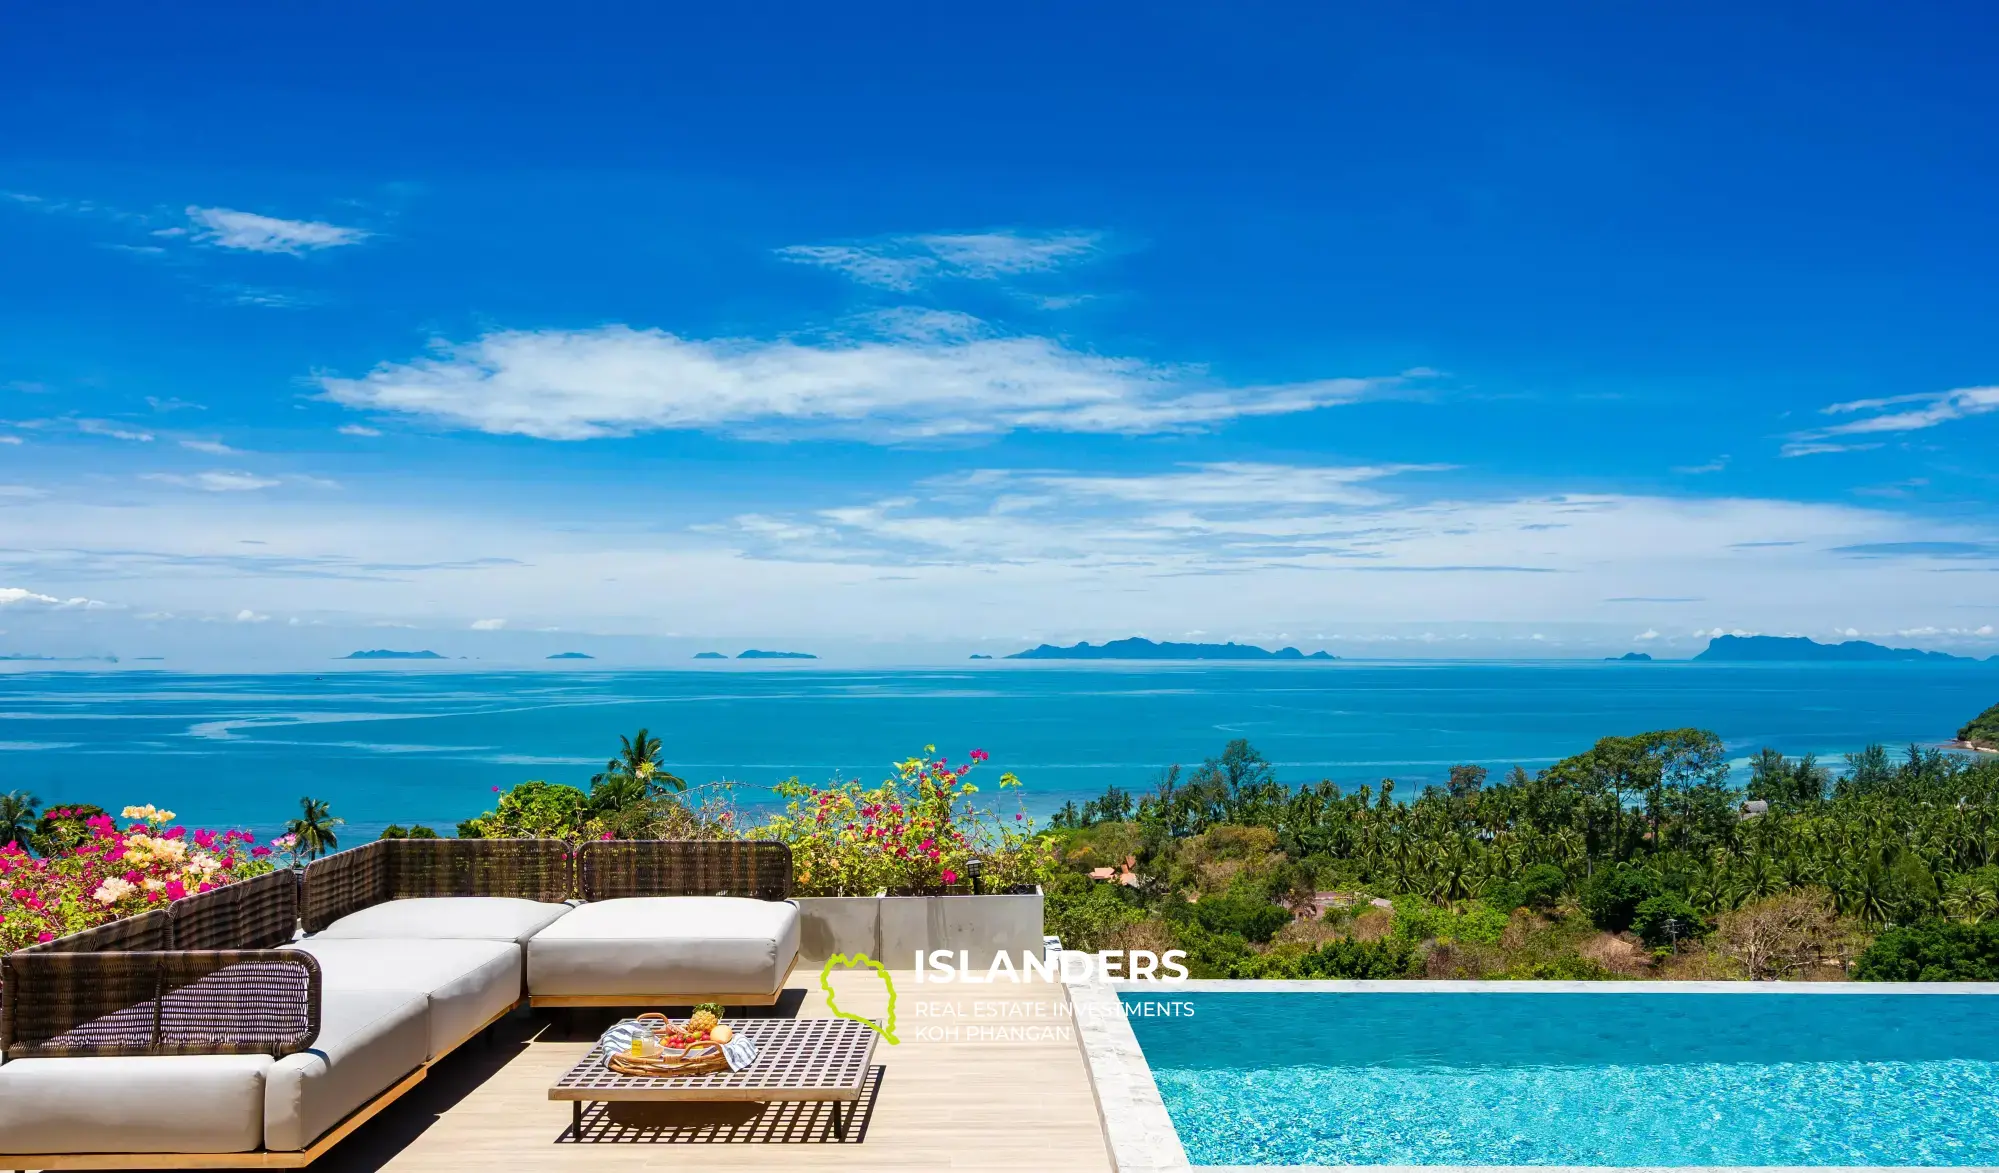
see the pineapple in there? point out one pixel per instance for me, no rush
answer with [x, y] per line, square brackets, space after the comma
[706, 1017]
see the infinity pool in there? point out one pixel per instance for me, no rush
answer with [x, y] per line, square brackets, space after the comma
[1605, 1079]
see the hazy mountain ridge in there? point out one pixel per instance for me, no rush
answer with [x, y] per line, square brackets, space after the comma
[1137, 648]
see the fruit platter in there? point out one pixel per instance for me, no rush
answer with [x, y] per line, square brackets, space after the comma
[655, 1045]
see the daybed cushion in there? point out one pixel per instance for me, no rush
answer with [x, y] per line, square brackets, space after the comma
[141, 1103]
[485, 918]
[368, 1040]
[469, 983]
[654, 945]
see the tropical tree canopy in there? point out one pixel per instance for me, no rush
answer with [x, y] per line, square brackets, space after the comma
[633, 777]
[18, 812]
[314, 828]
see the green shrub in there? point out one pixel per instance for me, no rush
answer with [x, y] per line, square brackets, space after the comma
[532, 810]
[1932, 951]
[1542, 885]
[1086, 914]
[1358, 960]
[1667, 919]
[1250, 919]
[1567, 968]
[63, 828]
[1612, 896]
[1417, 921]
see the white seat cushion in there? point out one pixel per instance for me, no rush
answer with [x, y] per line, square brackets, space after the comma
[368, 1039]
[652, 946]
[141, 1103]
[485, 918]
[468, 983]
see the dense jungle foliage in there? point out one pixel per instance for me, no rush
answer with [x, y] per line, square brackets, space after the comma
[1636, 857]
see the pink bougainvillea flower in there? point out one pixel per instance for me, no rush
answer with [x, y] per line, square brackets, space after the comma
[950, 877]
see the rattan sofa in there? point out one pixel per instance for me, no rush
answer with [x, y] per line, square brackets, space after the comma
[212, 1034]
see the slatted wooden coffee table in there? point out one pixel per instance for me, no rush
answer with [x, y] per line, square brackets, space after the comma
[797, 1059]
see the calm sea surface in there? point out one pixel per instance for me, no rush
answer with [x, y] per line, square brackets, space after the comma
[429, 746]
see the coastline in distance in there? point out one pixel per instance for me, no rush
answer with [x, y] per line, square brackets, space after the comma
[1798, 648]
[1137, 648]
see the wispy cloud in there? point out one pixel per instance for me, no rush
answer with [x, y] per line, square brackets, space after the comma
[905, 262]
[211, 447]
[1718, 464]
[941, 376]
[213, 482]
[359, 430]
[488, 624]
[1879, 416]
[115, 431]
[251, 232]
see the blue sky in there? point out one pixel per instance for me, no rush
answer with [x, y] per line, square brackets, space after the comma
[900, 332]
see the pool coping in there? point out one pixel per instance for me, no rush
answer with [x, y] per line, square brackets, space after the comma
[1139, 1133]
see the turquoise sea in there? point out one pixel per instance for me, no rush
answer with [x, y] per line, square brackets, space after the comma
[429, 746]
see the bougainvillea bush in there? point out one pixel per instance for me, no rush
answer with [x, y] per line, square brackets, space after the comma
[108, 872]
[915, 834]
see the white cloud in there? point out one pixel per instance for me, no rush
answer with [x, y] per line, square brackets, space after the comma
[212, 447]
[1647, 634]
[213, 482]
[488, 624]
[923, 380]
[1919, 412]
[22, 597]
[358, 430]
[229, 228]
[10, 439]
[904, 262]
[113, 430]
[248, 616]
[1718, 464]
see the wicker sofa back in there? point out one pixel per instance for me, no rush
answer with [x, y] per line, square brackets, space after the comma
[401, 869]
[609, 869]
[145, 933]
[259, 913]
[184, 1002]
[200, 976]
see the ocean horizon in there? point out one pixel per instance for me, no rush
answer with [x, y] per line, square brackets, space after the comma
[430, 746]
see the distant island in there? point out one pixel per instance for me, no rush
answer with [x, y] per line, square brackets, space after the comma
[1145, 649]
[12, 657]
[980, 656]
[710, 656]
[572, 656]
[1798, 649]
[1982, 732]
[386, 654]
[755, 654]
[1633, 657]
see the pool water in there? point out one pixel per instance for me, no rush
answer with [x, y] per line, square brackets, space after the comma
[1608, 1079]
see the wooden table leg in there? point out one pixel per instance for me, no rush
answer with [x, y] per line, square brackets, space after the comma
[576, 1119]
[839, 1125]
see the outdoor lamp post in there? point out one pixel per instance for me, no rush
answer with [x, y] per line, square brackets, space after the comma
[972, 868]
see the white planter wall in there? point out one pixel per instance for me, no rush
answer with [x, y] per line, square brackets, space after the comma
[893, 929]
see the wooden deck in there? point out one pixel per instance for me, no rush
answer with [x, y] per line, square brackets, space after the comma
[984, 1078]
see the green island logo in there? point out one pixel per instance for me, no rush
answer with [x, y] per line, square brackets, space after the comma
[846, 962]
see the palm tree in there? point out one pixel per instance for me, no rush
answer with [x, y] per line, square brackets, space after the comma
[635, 775]
[17, 816]
[314, 828]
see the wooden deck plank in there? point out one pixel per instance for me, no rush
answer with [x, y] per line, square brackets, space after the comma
[951, 1096]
